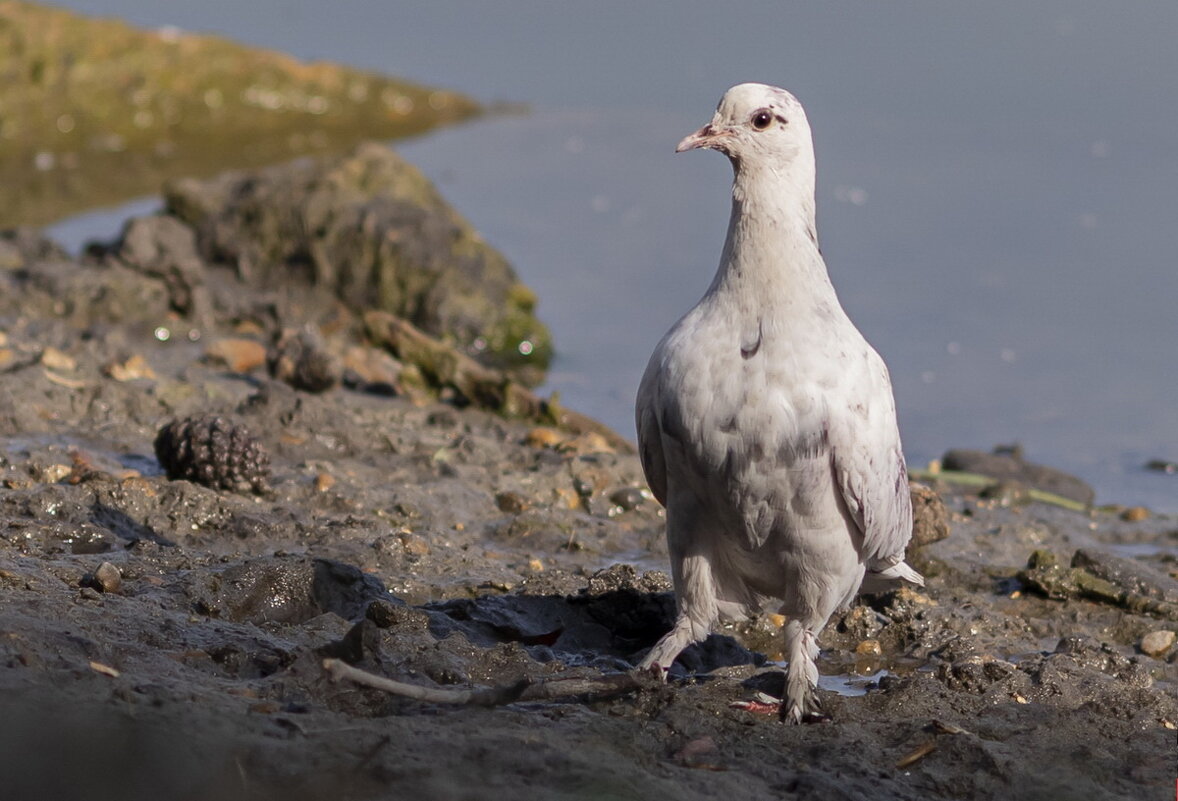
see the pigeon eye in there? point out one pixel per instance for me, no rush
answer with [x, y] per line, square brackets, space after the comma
[761, 119]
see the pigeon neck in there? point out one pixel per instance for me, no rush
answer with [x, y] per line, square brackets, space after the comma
[777, 198]
[772, 246]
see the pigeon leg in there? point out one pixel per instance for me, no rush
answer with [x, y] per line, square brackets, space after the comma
[695, 594]
[801, 679]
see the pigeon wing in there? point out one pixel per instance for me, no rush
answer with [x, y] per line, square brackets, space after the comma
[650, 435]
[872, 477]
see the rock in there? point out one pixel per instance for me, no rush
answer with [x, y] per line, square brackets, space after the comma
[239, 355]
[1135, 514]
[627, 498]
[1102, 578]
[284, 590]
[511, 502]
[1006, 463]
[371, 370]
[586, 443]
[301, 359]
[1130, 575]
[414, 544]
[20, 247]
[370, 229]
[868, 648]
[164, 247]
[55, 359]
[544, 437]
[930, 520]
[133, 368]
[108, 577]
[1156, 643]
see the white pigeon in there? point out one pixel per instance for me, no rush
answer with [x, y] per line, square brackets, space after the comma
[766, 423]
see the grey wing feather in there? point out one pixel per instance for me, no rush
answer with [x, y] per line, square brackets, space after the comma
[650, 437]
[870, 470]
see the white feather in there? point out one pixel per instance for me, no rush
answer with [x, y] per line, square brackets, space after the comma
[766, 423]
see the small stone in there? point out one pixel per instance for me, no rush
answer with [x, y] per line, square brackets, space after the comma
[108, 577]
[239, 355]
[627, 497]
[55, 472]
[869, 648]
[589, 442]
[535, 565]
[373, 367]
[1157, 643]
[907, 595]
[381, 612]
[301, 359]
[930, 519]
[133, 368]
[55, 359]
[324, 482]
[1005, 493]
[1135, 514]
[511, 502]
[414, 544]
[543, 437]
[568, 497]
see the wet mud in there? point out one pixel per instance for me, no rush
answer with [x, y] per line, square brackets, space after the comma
[166, 639]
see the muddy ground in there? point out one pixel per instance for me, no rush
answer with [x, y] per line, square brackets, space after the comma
[163, 639]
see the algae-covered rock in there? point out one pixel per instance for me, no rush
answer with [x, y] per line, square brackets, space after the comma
[1006, 464]
[94, 111]
[372, 229]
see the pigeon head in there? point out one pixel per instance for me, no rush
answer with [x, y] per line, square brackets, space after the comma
[755, 122]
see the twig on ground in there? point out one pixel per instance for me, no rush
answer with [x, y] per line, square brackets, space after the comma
[598, 687]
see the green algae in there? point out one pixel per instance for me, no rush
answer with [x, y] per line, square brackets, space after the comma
[94, 112]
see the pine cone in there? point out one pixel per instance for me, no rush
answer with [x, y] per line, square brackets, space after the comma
[213, 451]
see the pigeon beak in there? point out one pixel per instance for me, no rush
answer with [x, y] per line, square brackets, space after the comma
[707, 137]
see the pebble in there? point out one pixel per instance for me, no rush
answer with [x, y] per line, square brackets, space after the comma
[373, 367]
[511, 502]
[55, 359]
[543, 437]
[628, 498]
[55, 472]
[133, 368]
[302, 359]
[589, 442]
[930, 519]
[414, 544]
[239, 355]
[108, 577]
[1135, 514]
[869, 648]
[1157, 643]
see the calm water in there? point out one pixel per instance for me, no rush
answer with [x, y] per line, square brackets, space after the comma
[997, 189]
